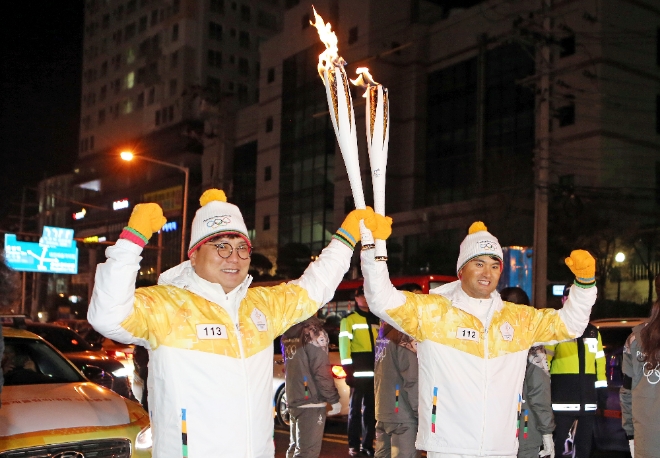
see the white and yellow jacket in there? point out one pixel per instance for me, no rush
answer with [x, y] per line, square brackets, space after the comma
[470, 375]
[211, 353]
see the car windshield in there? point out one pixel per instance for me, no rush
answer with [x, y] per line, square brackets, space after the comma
[64, 339]
[614, 338]
[33, 362]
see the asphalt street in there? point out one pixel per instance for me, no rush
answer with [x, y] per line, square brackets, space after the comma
[336, 445]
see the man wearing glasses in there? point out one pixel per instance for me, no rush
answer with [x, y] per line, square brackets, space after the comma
[210, 338]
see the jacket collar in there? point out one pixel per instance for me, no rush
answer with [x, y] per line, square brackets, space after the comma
[183, 276]
[459, 298]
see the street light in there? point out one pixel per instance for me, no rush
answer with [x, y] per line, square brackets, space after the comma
[128, 156]
[619, 257]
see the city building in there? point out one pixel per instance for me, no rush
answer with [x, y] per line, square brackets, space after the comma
[500, 111]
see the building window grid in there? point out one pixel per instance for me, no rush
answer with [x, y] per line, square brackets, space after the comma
[508, 122]
[306, 210]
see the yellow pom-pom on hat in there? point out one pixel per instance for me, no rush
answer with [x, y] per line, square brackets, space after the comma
[477, 226]
[212, 194]
[216, 217]
[478, 242]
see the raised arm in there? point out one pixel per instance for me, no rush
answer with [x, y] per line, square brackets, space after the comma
[402, 310]
[299, 299]
[113, 297]
[554, 326]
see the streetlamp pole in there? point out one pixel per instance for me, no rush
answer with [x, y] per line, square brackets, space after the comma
[127, 156]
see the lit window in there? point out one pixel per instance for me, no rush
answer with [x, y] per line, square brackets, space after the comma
[130, 80]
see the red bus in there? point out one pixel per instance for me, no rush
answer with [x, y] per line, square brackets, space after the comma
[342, 302]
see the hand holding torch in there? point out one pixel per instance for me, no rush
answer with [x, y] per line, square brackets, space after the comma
[340, 103]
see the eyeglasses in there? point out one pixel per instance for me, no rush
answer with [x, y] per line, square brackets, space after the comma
[225, 250]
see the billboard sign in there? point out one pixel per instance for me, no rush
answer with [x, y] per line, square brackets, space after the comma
[56, 252]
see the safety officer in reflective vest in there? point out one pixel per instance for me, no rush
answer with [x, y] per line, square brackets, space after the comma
[579, 388]
[357, 335]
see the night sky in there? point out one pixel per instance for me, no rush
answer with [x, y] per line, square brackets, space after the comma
[40, 97]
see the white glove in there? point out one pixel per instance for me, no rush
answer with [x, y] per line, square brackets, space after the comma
[631, 442]
[548, 449]
[335, 408]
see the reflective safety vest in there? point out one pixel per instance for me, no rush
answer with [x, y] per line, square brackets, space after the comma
[358, 332]
[577, 369]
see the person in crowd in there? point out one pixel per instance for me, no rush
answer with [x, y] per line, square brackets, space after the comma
[309, 385]
[19, 368]
[210, 337]
[579, 388]
[395, 381]
[358, 333]
[473, 347]
[535, 419]
[640, 392]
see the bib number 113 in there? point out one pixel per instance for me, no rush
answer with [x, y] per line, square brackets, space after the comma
[211, 331]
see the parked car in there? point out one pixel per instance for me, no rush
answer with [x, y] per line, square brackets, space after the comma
[609, 434]
[49, 408]
[82, 354]
[279, 393]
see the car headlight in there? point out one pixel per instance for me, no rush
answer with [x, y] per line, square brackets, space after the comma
[143, 440]
[122, 372]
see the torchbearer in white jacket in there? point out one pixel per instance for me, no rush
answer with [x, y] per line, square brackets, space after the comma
[210, 338]
[472, 346]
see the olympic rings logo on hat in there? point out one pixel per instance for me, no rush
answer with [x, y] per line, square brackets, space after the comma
[487, 245]
[218, 221]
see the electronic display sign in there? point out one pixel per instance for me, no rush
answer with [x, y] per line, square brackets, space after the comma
[55, 253]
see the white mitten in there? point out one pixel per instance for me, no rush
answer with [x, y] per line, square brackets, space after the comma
[548, 449]
[631, 442]
[336, 408]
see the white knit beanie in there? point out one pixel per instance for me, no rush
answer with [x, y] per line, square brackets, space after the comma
[215, 217]
[477, 243]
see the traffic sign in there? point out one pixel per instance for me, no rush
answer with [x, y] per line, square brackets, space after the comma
[55, 253]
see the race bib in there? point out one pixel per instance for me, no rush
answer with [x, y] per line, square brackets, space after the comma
[259, 319]
[211, 331]
[467, 334]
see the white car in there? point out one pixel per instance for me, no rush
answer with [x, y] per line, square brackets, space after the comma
[50, 409]
[279, 394]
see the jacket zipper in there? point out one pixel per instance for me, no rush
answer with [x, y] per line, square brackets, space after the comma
[483, 421]
[245, 375]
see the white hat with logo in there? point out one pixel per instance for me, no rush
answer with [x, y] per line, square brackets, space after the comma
[478, 242]
[216, 217]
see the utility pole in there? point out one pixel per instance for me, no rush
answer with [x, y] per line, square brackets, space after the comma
[23, 275]
[481, 104]
[542, 164]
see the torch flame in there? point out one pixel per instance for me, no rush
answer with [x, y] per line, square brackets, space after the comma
[330, 57]
[364, 78]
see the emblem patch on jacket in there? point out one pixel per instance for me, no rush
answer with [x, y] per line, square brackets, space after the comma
[507, 331]
[259, 319]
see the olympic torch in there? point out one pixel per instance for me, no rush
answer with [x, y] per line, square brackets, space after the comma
[377, 118]
[340, 104]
